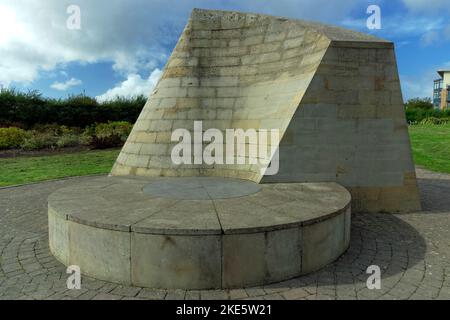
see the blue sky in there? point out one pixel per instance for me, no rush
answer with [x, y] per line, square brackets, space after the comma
[123, 45]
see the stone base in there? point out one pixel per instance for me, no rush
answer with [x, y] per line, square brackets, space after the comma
[200, 233]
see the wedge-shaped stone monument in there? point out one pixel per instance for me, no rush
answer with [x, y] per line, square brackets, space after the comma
[333, 95]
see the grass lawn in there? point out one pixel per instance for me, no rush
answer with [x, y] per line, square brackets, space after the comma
[431, 146]
[30, 169]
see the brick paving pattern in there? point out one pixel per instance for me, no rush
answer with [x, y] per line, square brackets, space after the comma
[412, 250]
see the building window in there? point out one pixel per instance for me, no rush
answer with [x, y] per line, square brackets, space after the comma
[448, 97]
[437, 93]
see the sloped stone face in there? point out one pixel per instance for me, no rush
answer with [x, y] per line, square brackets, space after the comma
[334, 94]
[232, 71]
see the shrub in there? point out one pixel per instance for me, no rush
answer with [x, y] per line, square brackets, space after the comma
[11, 137]
[38, 140]
[85, 138]
[119, 128]
[50, 128]
[6, 124]
[68, 140]
[102, 135]
[416, 115]
[434, 121]
[430, 120]
[106, 141]
[107, 135]
[419, 103]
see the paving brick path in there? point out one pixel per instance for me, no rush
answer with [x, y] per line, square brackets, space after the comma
[412, 250]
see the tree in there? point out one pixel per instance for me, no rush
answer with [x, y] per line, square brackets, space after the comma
[419, 103]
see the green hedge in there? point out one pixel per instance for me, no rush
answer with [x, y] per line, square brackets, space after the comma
[29, 109]
[419, 109]
[416, 115]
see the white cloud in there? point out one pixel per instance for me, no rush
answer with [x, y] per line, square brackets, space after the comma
[429, 38]
[133, 36]
[420, 85]
[436, 36]
[63, 86]
[34, 37]
[427, 5]
[132, 86]
[400, 26]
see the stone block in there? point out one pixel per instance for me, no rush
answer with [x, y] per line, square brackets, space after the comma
[162, 261]
[58, 233]
[256, 258]
[250, 41]
[322, 243]
[100, 253]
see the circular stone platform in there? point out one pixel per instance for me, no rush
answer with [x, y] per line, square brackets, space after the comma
[198, 233]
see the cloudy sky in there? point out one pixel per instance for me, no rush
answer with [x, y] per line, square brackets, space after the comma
[123, 45]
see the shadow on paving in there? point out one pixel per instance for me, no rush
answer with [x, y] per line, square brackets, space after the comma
[376, 239]
[435, 195]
